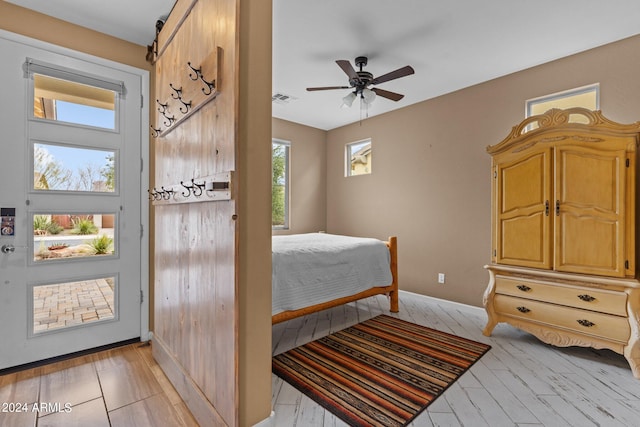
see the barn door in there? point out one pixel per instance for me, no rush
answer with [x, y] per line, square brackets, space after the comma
[195, 334]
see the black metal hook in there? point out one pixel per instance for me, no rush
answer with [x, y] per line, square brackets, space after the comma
[170, 119]
[152, 195]
[186, 105]
[178, 92]
[157, 195]
[188, 187]
[162, 107]
[166, 194]
[197, 71]
[155, 132]
[197, 188]
[210, 86]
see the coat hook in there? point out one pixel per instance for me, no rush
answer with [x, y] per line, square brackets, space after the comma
[197, 188]
[188, 188]
[156, 194]
[170, 119]
[162, 107]
[184, 109]
[178, 92]
[210, 86]
[152, 195]
[197, 72]
[166, 194]
[155, 132]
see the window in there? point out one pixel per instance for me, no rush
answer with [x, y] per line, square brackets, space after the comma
[70, 102]
[586, 96]
[71, 168]
[66, 96]
[358, 158]
[71, 304]
[280, 184]
[69, 236]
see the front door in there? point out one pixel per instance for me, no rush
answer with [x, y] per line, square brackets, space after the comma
[70, 178]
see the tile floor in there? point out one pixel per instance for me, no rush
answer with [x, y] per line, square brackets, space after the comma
[121, 387]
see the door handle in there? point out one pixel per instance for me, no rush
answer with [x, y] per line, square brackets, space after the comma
[9, 249]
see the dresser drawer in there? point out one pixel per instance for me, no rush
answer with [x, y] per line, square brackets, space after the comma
[601, 300]
[586, 322]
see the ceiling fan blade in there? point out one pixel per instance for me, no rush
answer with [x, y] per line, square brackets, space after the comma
[348, 69]
[328, 88]
[387, 94]
[400, 72]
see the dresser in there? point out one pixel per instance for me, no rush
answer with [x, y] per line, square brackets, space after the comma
[563, 264]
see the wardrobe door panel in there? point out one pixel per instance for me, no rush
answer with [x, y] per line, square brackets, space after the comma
[590, 211]
[523, 214]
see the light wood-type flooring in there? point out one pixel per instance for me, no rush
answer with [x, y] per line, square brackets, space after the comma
[121, 387]
[519, 382]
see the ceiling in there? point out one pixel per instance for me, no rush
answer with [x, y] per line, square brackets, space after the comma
[450, 44]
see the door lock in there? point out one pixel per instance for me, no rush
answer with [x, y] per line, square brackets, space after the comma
[8, 249]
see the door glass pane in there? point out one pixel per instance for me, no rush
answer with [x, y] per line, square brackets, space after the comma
[67, 168]
[66, 101]
[71, 236]
[72, 304]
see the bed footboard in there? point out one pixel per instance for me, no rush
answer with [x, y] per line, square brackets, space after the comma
[391, 291]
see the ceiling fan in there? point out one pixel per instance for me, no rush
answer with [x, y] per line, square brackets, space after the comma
[360, 81]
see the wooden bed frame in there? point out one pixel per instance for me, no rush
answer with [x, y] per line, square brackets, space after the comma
[391, 291]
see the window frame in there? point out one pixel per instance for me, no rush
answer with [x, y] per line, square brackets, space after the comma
[32, 67]
[595, 87]
[287, 182]
[348, 154]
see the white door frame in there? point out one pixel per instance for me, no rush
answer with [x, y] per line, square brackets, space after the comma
[144, 146]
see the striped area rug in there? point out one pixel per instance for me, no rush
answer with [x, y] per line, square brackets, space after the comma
[381, 372]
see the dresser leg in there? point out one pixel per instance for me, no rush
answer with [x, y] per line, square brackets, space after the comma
[489, 327]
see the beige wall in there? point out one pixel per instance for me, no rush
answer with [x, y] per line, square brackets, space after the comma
[307, 210]
[430, 184]
[42, 27]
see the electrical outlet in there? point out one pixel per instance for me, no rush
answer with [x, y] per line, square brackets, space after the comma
[440, 277]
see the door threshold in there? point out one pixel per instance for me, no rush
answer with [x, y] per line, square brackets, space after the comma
[50, 360]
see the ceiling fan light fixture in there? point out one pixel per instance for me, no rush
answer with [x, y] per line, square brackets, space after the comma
[368, 96]
[347, 101]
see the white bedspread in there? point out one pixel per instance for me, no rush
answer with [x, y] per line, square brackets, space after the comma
[314, 268]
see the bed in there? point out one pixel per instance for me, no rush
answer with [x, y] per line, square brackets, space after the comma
[315, 271]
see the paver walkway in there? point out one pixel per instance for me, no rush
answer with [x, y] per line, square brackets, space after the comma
[70, 304]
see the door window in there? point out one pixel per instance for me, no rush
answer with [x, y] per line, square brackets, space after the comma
[73, 304]
[60, 237]
[58, 167]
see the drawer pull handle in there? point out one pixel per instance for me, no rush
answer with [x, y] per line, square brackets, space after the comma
[524, 310]
[523, 288]
[586, 323]
[587, 298]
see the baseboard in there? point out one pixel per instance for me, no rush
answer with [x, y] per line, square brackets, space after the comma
[267, 422]
[201, 409]
[445, 301]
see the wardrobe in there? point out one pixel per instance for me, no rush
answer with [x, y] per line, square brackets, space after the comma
[563, 264]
